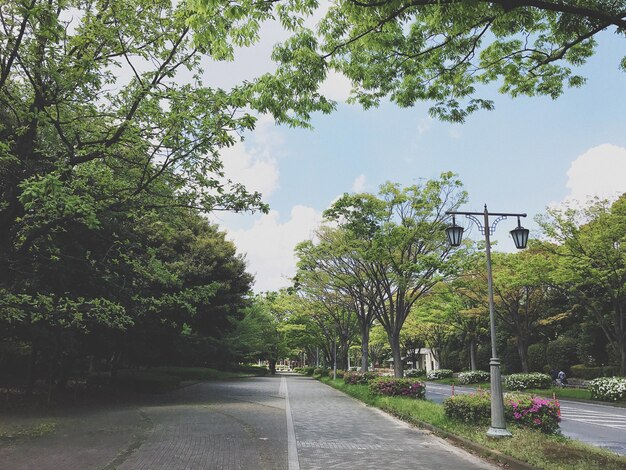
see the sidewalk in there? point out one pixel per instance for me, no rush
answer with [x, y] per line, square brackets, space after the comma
[288, 422]
[335, 431]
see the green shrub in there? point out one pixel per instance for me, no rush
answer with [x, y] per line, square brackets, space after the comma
[340, 373]
[321, 371]
[562, 352]
[393, 387]
[526, 381]
[359, 378]
[608, 388]
[308, 370]
[415, 373]
[582, 371]
[531, 412]
[439, 374]
[537, 357]
[472, 408]
[473, 377]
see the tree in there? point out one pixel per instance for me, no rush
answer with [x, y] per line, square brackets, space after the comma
[590, 245]
[520, 287]
[441, 51]
[453, 305]
[401, 245]
[107, 128]
[333, 263]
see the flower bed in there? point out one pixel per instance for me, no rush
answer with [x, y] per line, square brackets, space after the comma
[473, 377]
[532, 412]
[526, 381]
[608, 388]
[537, 413]
[394, 387]
[359, 378]
[439, 374]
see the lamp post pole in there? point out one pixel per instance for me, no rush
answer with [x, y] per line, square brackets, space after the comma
[520, 237]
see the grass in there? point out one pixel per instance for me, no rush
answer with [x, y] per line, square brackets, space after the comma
[537, 449]
[576, 393]
[25, 431]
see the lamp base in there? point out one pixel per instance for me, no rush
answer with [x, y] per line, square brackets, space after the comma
[498, 433]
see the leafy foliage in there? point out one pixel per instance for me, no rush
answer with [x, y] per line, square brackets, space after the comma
[442, 52]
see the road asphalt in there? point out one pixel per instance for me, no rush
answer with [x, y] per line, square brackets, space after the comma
[287, 422]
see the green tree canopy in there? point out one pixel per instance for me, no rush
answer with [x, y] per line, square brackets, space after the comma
[442, 51]
[590, 245]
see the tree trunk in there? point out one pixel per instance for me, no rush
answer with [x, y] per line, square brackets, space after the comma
[622, 352]
[272, 366]
[343, 357]
[398, 366]
[472, 347]
[32, 362]
[365, 344]
[522, 350]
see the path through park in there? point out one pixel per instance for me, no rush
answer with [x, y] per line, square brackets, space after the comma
[286, 422]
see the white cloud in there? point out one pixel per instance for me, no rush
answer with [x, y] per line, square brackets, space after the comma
[255, 165]
[358, 186]
[455, 132]
[336, 87]
[424, 125]
[269, 245]
[600, 171]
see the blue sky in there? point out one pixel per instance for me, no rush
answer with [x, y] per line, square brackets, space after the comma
[528, 153]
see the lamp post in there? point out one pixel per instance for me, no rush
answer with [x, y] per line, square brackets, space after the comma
[520, 238]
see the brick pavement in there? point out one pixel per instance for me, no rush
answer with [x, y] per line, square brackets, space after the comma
[236, 424]
[334, 431]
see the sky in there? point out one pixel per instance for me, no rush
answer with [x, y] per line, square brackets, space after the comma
[526, 154]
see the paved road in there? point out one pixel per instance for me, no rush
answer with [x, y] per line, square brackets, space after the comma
[595, 424]
[288, 422]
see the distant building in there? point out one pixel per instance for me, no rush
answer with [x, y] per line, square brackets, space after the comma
[425, 360]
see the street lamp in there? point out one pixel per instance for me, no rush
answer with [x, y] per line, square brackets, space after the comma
[520, 238]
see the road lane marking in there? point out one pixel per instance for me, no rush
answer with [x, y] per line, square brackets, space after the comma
[292, 448]
[596, 418]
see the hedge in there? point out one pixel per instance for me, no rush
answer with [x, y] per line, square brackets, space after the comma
[322, 372]
[359, 378]
[526, 381]
[473, 377]
[398, 387]
[414, 373]
[439, 374]
[582, 371]
[608, 388]
[532, 412]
